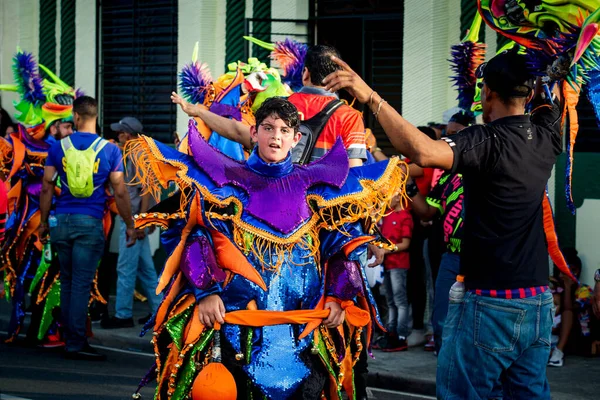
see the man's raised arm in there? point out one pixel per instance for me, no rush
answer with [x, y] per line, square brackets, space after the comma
[228, 128]
[405, 137]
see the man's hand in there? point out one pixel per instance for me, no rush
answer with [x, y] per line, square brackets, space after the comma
[347, 79]
[131, 234]
[211, 309]
[44, 233]
[336, 315]
[379, 254]
[596, 300]
[185, 106]
[140, 234]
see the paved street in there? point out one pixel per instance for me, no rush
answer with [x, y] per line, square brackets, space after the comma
[44, 375]
[38, 374]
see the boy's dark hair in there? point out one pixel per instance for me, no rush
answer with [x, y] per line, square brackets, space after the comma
[319, 64]
[280, 107]
[86, 107]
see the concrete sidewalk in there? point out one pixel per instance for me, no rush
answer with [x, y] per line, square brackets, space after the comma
[410, 371]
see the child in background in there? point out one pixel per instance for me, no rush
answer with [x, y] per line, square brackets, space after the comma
[397, 227]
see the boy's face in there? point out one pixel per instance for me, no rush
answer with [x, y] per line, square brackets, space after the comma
[275, 139]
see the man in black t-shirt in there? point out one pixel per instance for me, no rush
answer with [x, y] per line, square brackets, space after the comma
[498, 332]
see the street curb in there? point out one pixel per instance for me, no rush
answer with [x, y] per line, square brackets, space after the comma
[383, 380]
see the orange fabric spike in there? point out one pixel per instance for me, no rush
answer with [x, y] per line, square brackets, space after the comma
[172, 264]
[552, 240]
[571, 96]
[346, 372]
[13, 195]
[168, 368]
[18, 155]
[37, 132]
[30, 229]
[166, 303]
[229, 257]
[356, 242]
[194, 328]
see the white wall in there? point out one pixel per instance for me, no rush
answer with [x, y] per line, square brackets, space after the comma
[85, 47]
[289, 9]
[19, 26]
[588, 221]
[430, 28]
[200, 21]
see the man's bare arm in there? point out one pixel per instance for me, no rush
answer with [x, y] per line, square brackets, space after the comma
[422, 208]
[48, 185]
[228, 128]
[405, 137]
[123, 202]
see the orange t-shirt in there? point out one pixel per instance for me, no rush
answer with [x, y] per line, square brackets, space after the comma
[345, 122]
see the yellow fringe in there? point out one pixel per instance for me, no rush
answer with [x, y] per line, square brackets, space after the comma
[153, 171]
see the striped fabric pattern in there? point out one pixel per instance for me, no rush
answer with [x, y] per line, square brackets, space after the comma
[521, 293]
[2, 226]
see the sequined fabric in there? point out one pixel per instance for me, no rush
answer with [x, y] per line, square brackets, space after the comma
[344, 279]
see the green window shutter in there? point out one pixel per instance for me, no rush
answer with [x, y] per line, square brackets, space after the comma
[234, 31]
[47, 47]
[261, 9]
[67, 41]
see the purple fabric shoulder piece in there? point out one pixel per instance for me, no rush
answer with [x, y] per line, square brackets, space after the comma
[199, 265]
[279, 202]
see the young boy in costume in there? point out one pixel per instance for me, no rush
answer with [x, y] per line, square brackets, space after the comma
[270, 251]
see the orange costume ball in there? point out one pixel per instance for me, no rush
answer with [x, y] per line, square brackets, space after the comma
[214, 382]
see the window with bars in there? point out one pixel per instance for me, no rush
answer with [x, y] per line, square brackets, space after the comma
[138, 64]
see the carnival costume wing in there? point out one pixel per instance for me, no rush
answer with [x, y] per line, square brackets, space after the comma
[22, 159]
[317, 212]
[563, 43]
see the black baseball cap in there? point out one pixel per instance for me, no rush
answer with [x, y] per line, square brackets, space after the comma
[128, 125]
[507, 74]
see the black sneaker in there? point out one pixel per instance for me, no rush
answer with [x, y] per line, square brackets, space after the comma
[114, 322]
[87, 353]
[395, 344]
[142, 321]
[380, 342]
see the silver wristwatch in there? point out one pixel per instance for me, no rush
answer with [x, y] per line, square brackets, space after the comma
[597, 275]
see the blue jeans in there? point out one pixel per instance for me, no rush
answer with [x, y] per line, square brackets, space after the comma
[395, 293]
[135, 261]
[449, 268]
[79, 242]
[491, 343]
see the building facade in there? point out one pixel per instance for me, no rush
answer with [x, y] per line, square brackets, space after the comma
[127, 54]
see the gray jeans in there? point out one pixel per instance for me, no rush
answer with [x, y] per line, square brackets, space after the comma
[395, 292]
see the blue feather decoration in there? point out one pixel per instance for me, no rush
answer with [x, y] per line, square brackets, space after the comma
[290, 56]
[28, 79]
[194, 80]
[466, 57]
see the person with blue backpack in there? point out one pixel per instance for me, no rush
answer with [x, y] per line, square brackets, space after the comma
[85, 164]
